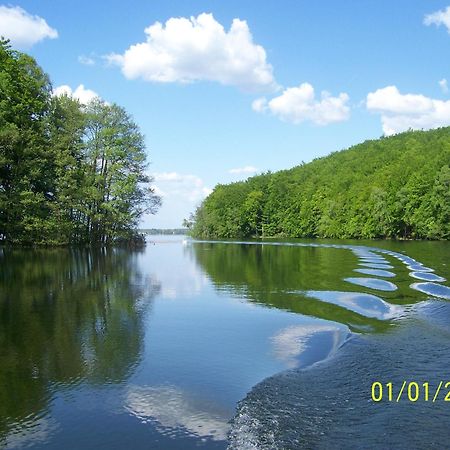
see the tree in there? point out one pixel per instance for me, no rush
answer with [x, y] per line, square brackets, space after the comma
[116, 187]
[67, 124]
[252, 214]
[396, 187]
[68, 173]
[26, 175]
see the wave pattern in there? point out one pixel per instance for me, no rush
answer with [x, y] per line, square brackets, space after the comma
[255, 426]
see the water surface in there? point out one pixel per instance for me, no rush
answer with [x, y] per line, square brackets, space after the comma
[184, 344]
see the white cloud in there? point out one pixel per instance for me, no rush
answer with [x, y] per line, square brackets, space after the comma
[438, 18]
[298, 104]
[400, 112]
[186, 186]
[181, 195]
[444, 85]
[86, 60]
[246, 169]
[260, 104]
[23, 29]
[199, 48]
[83, 95]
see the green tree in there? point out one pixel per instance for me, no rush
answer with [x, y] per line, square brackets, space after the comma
[252, 211]
[117, 185]
[396, 187]
[68, 173]
[67, 124]
[26, 168]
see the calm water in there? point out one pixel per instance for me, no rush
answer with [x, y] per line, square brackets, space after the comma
[223, 345]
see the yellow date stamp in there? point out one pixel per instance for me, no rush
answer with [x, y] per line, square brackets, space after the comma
[411, 391]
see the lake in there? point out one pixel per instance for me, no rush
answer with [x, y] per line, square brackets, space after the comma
[215, 345]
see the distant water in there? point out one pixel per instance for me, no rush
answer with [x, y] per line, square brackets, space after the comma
[245, 345]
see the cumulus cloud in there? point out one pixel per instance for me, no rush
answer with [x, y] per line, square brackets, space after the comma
[299, 104]
[400, 112]
[187, 186]
[241, 170]
[22, 28]
[83, 95]
[438, 18]
[199, 48]
[444, 85]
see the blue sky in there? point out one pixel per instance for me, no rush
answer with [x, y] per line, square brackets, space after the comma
[223, 90]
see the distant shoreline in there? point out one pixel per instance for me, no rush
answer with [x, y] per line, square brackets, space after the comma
[169, 231]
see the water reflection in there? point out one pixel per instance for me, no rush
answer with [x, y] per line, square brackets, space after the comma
[437, 290]
[296, 347]
[35, 431]
[89, 356]
[372, 283]
[306, 280]
[427, 276]
[365, 304]
[376, 272]
[171, 408]
[66, 316]
[376, 265]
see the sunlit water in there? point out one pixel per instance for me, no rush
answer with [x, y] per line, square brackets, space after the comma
[214, 345]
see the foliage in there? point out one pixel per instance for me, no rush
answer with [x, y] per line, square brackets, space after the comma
[396, 187]
[68, 173]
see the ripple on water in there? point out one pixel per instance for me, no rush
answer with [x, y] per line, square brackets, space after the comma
[329, 406]
[372, 283]
[427, 276]
[405, 259]
[176, 412]
[373, 259]
[306, 344]
[367, 305]
[436, 290]
[376, 266]
[419, 268]
[376, 272]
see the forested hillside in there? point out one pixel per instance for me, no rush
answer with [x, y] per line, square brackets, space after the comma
[69, 173]
[396, 187]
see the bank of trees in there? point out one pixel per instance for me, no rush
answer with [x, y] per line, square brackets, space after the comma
[396, 187]
[69, 173]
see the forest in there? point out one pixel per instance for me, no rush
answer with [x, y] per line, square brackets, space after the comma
[394, 187]
[69, 173]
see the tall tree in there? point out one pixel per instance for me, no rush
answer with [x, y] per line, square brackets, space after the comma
[66, 125]
[26, 166]
[68, 173]
[117, 186]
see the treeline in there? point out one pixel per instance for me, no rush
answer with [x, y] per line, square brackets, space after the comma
[165, 231]
[396, 187]
[69, 173]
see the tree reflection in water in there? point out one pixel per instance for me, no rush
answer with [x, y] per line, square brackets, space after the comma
[67, 316]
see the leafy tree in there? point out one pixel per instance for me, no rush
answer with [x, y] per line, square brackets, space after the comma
[67, 124]
[68, 173]
[116, 188]
[26, 175]
[252, 213]
[395, 187]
